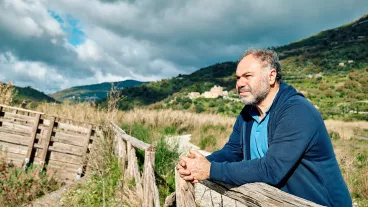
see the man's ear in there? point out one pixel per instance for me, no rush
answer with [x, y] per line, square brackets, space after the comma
[272, 76]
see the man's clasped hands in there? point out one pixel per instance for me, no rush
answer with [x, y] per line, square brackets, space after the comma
[194, 167]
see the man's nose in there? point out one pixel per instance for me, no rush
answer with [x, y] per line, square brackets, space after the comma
[241, 82]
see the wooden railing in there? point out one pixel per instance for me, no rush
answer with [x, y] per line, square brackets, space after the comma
[34, 137]
[220, 194]
[125, 149]
[63, 145]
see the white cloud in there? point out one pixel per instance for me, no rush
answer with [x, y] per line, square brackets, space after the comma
[89, 51]
[148, 40]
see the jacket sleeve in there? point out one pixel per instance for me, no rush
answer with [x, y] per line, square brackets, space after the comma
[232, 151]
[295, 127]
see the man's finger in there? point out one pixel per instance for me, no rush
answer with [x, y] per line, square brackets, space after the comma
[179, 166]
[188, 178]
[184, 172]
[197, 154]
[182, 163]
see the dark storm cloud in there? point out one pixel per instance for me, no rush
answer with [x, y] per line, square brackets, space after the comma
[149, 40]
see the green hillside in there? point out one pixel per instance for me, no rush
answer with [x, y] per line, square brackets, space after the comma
[330, 68]
[96, 90]
[30, 94]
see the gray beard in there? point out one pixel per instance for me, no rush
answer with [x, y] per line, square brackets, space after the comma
[259, 96]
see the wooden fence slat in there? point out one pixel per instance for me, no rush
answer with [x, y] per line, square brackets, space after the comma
[184, 192]
[20, 109]
[32, 140]
[133, 170]
[47, 142]
[19, 117]
[85, 151]
[134, 141]
[258, 195]
[15, 126]
[150, 191]
[13, 138]
[53, 149]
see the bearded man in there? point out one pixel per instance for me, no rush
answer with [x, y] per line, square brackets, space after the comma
[279, 138]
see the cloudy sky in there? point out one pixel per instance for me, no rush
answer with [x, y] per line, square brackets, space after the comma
[56, 44]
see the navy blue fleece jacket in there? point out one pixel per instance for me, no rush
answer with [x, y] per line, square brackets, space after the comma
[300, 159]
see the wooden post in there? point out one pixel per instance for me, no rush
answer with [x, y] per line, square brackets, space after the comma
[128, 172]
[122, 152]
[184, 192]
[32, 140]
[85, 151]
[150, 191]
[47, 142]
[15, 111]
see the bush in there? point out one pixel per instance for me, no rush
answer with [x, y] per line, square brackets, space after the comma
[199, 108]
[19, 187]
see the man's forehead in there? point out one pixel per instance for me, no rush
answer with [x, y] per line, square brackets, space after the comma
[248, 64]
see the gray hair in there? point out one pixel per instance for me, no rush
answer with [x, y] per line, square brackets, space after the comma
[269, 58]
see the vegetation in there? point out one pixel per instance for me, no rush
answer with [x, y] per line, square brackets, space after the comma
[19, 187]
[100, 90]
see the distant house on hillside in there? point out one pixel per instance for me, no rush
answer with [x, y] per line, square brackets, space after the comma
[194, 95]
[92, 99]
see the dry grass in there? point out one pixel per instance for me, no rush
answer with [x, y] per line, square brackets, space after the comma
[346, 130]
[184, 122]
[6, 93]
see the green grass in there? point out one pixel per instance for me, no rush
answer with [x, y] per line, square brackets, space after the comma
[19, 187]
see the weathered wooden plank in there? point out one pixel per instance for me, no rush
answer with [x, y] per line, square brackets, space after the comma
[60, 165]
[70, 149]
[85, 147]
[150, 191]
[6, 130]
[136, 174]
[134, 141]
[15, 126]
[20, 109]
[19, 117]
[184, 192]
[53, 149]
[13, 148]
[32, 138]
[46, 142]
[77, 140]
[258, 195]
[70, 127]
[66, 158]
[60, 139]
[15, 157]
[14, 138]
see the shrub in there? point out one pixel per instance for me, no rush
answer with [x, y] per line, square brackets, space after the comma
[199, 108]
[19, 187]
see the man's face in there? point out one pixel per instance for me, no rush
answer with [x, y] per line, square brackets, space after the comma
[251, 81]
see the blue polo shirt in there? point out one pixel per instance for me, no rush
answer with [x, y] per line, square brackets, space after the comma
[258, 135]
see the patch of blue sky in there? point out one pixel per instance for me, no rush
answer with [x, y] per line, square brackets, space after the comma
[71, 26]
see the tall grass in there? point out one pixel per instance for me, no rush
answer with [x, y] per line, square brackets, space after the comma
[7, 92]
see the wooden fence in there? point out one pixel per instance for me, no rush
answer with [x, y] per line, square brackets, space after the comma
[63, 145]
[34, 137]
[125, 149]
[208, 193]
